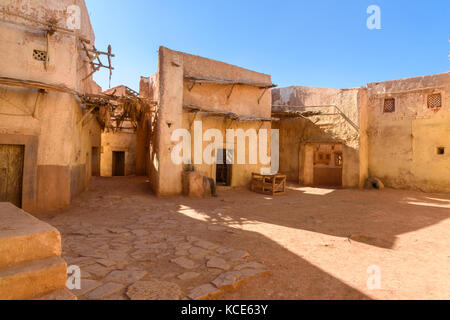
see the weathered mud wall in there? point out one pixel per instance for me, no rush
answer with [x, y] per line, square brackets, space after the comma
[403, 145]
[175, 92]
[122, 142]
[57, 145]
[146, 140]
[241, 173]
[341, 120]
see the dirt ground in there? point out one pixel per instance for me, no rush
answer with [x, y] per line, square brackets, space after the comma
[317, 243]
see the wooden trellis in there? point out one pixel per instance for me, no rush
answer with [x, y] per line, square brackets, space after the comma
[112, 111]
[93, 55]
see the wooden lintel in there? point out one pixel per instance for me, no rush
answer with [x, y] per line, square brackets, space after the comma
[34, 85]
[228, 82]
[225, 114]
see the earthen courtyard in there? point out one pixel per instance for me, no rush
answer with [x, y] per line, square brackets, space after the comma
[312, 243]
[207, 180]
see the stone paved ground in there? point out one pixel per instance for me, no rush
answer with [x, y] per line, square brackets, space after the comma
[130, 247]
[316, 243]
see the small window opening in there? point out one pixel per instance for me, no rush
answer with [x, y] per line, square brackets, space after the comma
[434, 101]
[40, 55]
[389, 105]
[440, 151]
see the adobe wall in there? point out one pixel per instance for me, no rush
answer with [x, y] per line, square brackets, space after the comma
[174, 93]
[297, 134]
[145, 154]
[119, 141]
[403, 144]
[123, 140]
[241, 173]
[56, 144]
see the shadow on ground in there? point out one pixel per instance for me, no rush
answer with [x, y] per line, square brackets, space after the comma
[121, 199]
[372, 217]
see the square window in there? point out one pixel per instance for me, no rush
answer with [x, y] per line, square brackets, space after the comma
[389, 105]
[323, 158]
[434, 101]
[440, 151]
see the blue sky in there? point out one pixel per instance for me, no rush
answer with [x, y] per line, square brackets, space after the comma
[322, 43]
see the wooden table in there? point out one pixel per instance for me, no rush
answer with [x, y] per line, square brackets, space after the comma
[272, 184]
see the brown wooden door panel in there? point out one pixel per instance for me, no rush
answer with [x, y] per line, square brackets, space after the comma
[11, 173]
[3, 183]
[118, 164]
[328, 177]
[223, 170]
[95, 162]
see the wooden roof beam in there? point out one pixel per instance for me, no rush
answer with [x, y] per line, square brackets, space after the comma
[228, 82]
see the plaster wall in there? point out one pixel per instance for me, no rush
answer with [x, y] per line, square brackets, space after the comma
[146, 156]
[124, 140]
[402, 145]
[48, 123]
[174, 92]
[241, 173]
[331, 126]
[119, 141]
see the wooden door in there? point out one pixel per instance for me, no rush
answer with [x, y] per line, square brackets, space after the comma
[95, 162]
[118, 164]
[223, 170]
[11, 173]
[328, 165]
[328, 177]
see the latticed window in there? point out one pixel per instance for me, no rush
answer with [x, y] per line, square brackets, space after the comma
[389, 105]
[434, 101]
[40, 55]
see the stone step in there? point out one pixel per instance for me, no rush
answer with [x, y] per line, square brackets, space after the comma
[32, 279]
[25, 238]
[62, 294]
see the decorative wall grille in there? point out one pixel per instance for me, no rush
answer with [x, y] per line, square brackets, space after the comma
[389, 105]
[434, 101]
[40, 55]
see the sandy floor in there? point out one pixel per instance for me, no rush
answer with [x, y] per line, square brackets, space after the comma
[317, 243]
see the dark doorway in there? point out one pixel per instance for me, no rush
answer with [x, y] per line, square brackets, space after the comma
[11, 173]
[223, 170]
[118, 164]
[95, 162]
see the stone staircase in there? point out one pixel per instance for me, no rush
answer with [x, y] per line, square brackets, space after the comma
[31, 266]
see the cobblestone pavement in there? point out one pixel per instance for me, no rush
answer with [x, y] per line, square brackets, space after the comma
[312, 243]
[134, 246]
